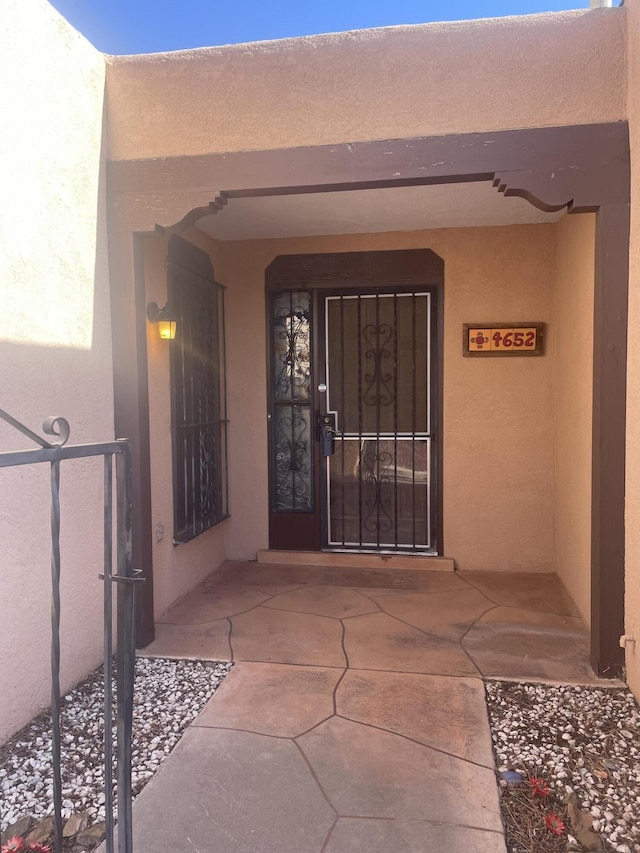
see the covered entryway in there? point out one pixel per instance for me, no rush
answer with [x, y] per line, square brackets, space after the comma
[354, 405]
[582, 169]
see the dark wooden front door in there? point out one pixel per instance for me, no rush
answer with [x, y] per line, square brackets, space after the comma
[363, 363]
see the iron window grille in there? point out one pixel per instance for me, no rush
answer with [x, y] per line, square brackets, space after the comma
[198, 393]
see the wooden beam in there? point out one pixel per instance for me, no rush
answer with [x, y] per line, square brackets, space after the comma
[609, 436]
[574, 150]
[131, 405]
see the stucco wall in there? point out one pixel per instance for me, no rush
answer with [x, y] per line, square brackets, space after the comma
[465, 76]
[498, 426]
[176, 569]
[632, 604]
[573, 396]
[55, 349]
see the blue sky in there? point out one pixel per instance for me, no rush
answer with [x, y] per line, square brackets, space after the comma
[147, 26]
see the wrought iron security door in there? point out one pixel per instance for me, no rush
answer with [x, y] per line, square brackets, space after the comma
[378, 489]
[352, 445]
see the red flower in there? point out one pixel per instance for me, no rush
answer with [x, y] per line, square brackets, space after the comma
[554, 823]
[13, 844]
[539, 787]
[40, 848]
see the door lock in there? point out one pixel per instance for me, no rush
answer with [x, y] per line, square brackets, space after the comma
[328, 425]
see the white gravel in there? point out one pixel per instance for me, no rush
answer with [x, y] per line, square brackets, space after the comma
[168, 695]
[582, 739]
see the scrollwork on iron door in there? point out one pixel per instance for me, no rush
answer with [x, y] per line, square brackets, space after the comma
[379, 390]
[291, 346]
[292, 458]
[376, 473]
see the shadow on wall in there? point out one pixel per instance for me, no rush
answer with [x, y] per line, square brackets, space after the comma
[55, 351]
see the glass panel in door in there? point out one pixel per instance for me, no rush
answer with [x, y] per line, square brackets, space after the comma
[292, 436]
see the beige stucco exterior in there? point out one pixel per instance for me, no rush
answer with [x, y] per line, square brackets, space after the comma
[498, 413]
[519, 429]
[396, 82]
[55, 343]
[241, 97]
[572, 402]
[632, 603]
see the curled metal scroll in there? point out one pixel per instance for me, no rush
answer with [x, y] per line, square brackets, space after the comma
[379, 391]
[55, 425]
[61, 433]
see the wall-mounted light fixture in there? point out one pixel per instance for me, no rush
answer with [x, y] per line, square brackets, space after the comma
[165, 319]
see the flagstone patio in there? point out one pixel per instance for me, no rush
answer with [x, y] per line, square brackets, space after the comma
[354, 718]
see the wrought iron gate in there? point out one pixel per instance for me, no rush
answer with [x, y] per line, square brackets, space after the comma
[54, 452]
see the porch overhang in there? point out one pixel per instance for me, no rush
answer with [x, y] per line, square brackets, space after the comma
[581, 168]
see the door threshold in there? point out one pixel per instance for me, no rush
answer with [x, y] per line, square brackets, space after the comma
[351, 560]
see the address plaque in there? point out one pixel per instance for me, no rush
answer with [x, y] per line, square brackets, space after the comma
[502, 339]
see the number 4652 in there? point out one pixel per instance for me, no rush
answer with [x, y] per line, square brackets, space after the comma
[515, 339]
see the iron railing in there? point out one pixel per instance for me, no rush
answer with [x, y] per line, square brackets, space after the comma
[54, 452]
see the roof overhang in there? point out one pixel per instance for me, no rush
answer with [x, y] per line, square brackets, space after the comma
[369, 211]
[578, 168]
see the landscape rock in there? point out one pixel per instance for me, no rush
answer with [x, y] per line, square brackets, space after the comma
[576, 738]
[92, 835]
[20, 828]
[76, 823]
[168, 695]
[582, 824]
[42, 832]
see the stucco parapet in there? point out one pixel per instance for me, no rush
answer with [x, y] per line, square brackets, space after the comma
[365, 37]
[428, 79]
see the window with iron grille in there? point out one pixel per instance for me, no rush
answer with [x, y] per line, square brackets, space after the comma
[199, 426]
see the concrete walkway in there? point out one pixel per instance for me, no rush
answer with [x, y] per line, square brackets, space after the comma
[354, 717]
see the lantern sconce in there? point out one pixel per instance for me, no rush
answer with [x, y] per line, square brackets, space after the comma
[165, 319]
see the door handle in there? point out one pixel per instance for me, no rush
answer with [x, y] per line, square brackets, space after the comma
[328, 424]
